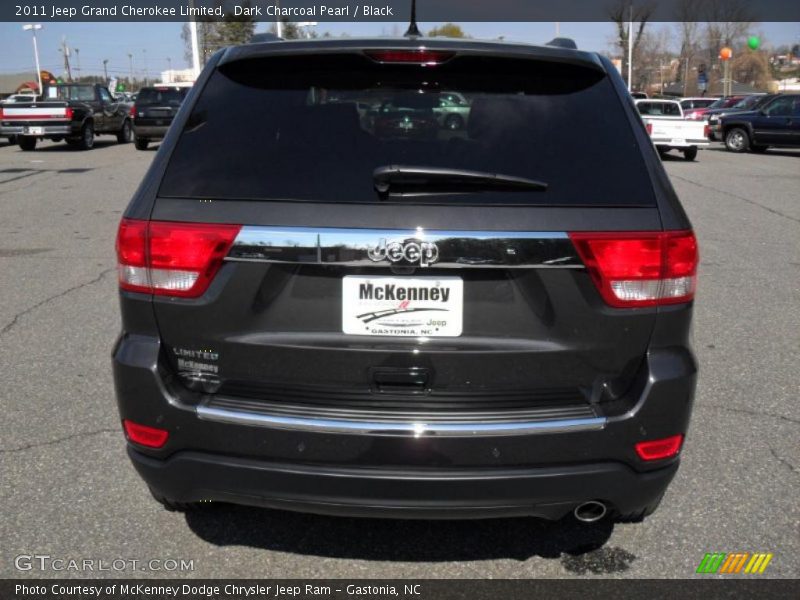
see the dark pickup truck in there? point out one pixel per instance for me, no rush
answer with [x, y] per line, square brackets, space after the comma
[774, 124]
[72, 112]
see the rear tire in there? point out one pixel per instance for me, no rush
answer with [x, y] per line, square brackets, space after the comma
[124, 135]
[737, 140]
[27, 143]
[690, 153]
[141, 143]
[639, 515]
[172, 505]
[86, 141]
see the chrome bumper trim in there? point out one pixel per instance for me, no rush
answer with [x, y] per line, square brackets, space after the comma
[409, 429]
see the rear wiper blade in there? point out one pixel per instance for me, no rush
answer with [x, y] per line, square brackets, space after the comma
[412, 180]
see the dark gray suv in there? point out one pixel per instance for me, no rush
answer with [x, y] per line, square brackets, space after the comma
[322, 312]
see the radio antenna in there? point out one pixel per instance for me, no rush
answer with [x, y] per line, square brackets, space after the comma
[413, 30]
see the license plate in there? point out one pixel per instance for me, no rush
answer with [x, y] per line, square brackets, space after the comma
[678, 142]
[402, 306]
[34, 130]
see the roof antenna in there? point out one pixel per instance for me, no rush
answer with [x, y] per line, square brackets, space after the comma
[413, 30]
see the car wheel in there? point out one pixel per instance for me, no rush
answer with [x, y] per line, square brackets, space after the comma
[758, 149]
[736, 140]
[454, 123]
[27, 143]
[124, 135]
[87, 137]
[141, 143]
[690, 153]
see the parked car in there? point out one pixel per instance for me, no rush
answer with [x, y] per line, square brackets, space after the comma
[321, 318]
[669, 130]
[453, 111]
[690, 105]
[753, 102]
[639, 95]
[698, 114]
[153, 112]
[408, 116]
[776, 124]
[72, 112]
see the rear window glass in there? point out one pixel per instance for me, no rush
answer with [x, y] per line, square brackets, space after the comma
[79, 93]
[295, 128]
[167, 96]
[659, 109]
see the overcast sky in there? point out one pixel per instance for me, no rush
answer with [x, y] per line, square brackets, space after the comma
[151, 43]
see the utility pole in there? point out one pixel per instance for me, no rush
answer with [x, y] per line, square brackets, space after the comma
[195, 45]
[146, 74]
[630, 48]
[105, 68]
[65, 50]
[130, 60]
[33, 28]
[78, 60]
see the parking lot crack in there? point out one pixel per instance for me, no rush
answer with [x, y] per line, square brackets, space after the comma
[742, 198]
[783, 461]
[754, 413]
[13, 322]
[83, 434]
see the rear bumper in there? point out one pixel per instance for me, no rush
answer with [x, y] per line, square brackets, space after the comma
[150, 132]
[48, 130]
[544, 470]
[546, 492]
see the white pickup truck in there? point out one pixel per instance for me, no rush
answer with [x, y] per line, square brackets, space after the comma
[669, 130]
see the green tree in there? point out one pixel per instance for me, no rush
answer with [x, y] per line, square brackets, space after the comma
[450, 30]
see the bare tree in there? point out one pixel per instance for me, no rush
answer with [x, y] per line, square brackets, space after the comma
[620, 14]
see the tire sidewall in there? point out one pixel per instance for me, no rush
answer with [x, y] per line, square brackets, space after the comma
[735, 133]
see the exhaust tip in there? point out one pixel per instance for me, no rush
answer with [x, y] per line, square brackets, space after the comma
[590, 512]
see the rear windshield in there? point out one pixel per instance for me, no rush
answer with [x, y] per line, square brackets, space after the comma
[166, 96]
[294, 128]
[80, 93]
[659, 109]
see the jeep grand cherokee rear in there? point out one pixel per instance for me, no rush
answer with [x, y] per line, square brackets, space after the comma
[331, 308]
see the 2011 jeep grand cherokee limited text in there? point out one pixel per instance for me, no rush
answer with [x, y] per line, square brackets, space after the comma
[333, 303]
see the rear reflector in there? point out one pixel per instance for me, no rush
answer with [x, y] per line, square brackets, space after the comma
[151, 437]
[632, 269]
[419, 56]
[171, 259]
[659, 449]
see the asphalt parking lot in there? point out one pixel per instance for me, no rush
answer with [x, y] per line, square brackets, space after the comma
[69, 491]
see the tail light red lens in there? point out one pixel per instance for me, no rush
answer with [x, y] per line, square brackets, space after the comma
[132, 111]
[169, 258]
[69, 113]
[419, 56]
[1, 112]
[649, 128]
[659, 449]
[706, 130]
[633, 269]
[150, 437]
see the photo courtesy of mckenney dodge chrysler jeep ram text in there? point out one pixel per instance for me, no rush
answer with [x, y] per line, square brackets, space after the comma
[334, 302]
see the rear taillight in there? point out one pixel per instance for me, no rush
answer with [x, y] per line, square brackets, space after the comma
[632, 269]
[150, 437]
[1, 112]
[419, 56]
[68, 113]
[706, 130]
[649, 128]
[659, 449]
[171, 259]
[132, 111]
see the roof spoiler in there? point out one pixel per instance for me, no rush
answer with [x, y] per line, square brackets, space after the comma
[563, 42]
